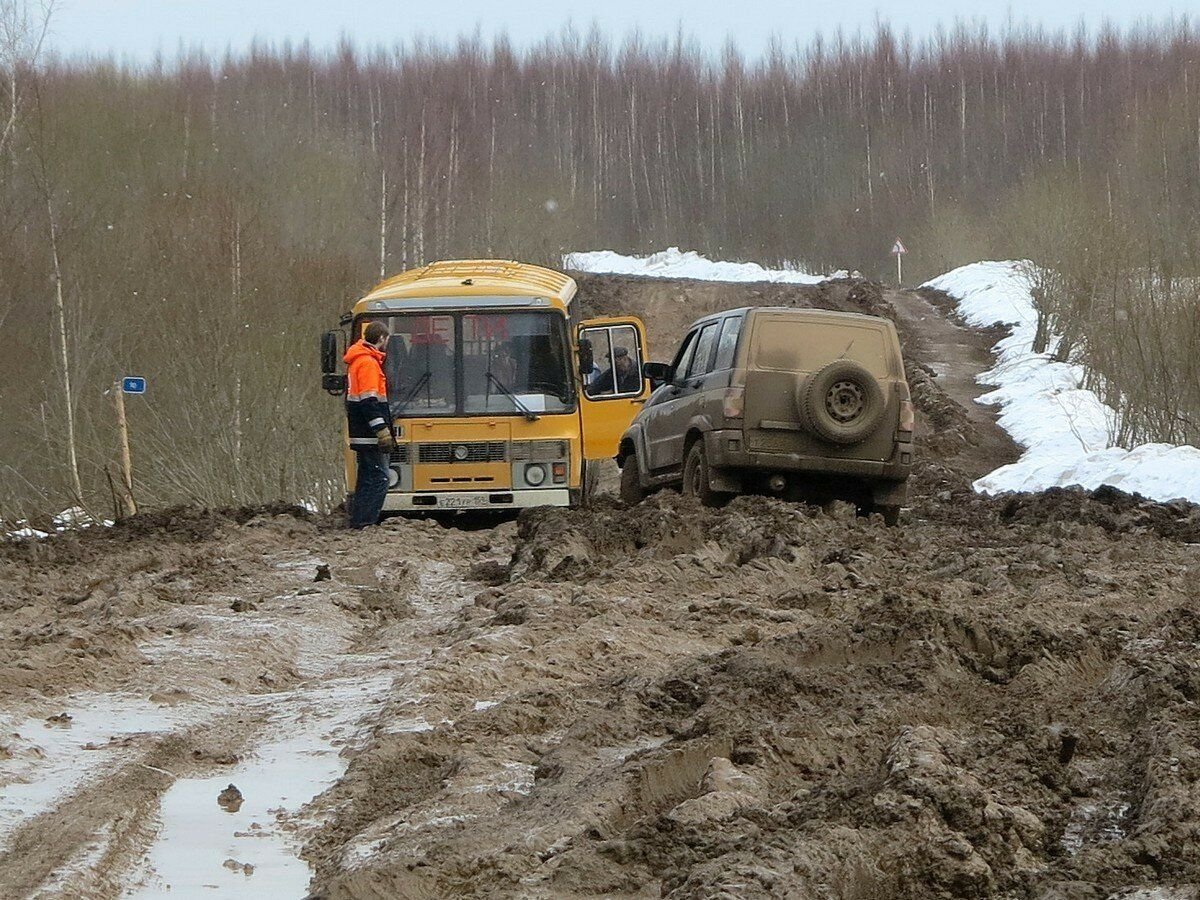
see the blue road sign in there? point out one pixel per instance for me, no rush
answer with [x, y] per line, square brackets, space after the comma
[133, 384]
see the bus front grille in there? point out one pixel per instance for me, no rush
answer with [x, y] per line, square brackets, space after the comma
[475, 452]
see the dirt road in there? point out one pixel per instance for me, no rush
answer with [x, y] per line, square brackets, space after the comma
[996, 700]
[955, 355]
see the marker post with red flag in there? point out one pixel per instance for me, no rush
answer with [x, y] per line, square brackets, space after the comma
[899, 249]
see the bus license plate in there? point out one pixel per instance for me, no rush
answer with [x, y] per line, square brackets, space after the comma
[451, 502]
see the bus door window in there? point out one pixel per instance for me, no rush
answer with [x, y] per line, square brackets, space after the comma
[618, 354]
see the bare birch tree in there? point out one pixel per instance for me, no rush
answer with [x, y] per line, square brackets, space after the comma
[23, 30]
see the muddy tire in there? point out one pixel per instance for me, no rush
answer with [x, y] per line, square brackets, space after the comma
[890, 513]
[842, 403]
[695, 478]
[632, 492]
[589, 484]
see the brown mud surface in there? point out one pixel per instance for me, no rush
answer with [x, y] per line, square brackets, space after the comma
[997, 699]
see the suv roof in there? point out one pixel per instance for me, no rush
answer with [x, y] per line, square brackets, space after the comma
[798, 311]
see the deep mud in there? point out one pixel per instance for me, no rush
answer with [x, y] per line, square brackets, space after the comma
[997, 699]
[772, 700]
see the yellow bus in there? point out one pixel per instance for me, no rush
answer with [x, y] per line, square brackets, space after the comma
[500, 395]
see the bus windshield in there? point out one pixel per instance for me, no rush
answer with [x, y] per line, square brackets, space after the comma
[463, 363]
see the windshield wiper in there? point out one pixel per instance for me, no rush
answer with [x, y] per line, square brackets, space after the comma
[530, 415]
[412, 393]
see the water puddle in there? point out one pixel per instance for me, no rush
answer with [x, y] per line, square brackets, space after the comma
[250, 848]
[247, 845]
[52, 758]
[1099, 822]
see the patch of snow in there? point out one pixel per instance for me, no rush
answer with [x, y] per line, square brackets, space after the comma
[676, 263]
[67, 520]
[481, 705]
[1065, 429]
[24, 532]
[77, 517]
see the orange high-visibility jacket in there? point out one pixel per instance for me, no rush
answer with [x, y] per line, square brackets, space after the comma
[366, 394]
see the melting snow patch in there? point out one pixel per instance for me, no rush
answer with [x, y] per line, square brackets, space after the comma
[67, 520]
[24, 532]
[676, 263]
[1064, 428]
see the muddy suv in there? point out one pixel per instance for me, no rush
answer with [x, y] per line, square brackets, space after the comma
[799, 403]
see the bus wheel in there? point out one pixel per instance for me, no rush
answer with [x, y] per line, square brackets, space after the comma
[632, 491]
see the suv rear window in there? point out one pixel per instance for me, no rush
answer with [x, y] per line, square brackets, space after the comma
[798, 345]
[730, 329]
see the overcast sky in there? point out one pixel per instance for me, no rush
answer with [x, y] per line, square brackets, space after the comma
[138, 28]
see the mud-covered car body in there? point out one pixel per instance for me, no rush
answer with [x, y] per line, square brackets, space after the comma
[797, 402]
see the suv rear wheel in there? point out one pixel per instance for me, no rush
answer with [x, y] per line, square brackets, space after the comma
[695, 478]
[890, 513]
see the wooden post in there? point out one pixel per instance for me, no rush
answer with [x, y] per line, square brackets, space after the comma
[127, 501]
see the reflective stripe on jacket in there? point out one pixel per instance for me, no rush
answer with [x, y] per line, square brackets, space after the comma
[366, 394]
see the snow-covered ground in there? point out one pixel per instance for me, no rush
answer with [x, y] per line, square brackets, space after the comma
[676, 263]
[1064, 428]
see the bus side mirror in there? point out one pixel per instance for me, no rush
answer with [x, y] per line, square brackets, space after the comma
[587, 359]
[331, 380]
[329, 354]
[658, 373]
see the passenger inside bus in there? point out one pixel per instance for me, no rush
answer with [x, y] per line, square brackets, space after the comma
[621, 377]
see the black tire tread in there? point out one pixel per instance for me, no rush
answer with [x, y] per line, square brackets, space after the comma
[810, 396]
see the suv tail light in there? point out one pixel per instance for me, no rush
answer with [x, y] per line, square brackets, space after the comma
[734, 403]
[908, 415]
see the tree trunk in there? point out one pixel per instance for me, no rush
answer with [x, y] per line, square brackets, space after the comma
[64, 356]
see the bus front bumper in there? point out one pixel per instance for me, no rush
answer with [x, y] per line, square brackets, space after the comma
[432, 501]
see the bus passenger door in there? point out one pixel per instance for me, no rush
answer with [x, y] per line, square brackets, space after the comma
[612, 390]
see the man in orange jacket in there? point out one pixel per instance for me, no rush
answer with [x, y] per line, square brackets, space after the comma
[369, 420]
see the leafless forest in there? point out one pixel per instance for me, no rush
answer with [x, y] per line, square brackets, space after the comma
[199, 221]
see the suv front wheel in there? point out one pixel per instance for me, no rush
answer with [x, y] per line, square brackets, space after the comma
[632, 492]
[695, 478]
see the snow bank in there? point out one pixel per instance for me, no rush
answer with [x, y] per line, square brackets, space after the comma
[676, 263]
[1064, 428]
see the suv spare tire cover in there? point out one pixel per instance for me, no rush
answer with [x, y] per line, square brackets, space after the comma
[842, 403]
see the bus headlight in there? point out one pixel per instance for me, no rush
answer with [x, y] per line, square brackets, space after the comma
[393, 477]
[535, 474]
